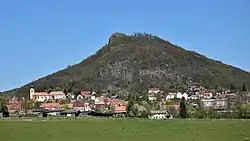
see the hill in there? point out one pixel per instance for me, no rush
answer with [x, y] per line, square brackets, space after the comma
[139, 61]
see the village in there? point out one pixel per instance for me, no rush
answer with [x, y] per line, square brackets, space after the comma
[156, 105]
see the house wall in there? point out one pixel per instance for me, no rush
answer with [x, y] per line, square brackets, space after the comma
[154, 91]
[59, 97]
[152, 98]
[157, 116]
[207, 103]
[40, 98]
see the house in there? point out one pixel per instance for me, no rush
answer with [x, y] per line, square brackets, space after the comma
[220, 104]
[158, 114]
[152, 97]
[171, 96]
[185, 95]
[215, 104]
[154, 90]
[119, 105]
[79, 97]
[88, 94]
[56, 95]
[14, 105]
[51, 106]
[71, 96]
[179, 95]
[152, 93]
[207, 103]
[194, 97]
[81, 106]
[206, 95]
[102, 101]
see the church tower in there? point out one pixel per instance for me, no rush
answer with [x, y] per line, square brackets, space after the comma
[32, 92]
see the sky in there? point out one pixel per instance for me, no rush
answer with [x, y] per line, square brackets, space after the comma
[38, 38]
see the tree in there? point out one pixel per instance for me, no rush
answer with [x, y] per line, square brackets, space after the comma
[183, 108]
[3, 106]
[37, 104]
[27, 104]
[244, 88]
[232, 87]
[129, 106]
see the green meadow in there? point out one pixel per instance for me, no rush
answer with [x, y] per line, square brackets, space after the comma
[125, 130]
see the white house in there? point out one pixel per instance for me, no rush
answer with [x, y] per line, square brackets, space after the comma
[179, 95]
[57, 95]
[152, 97]
[157, 114]
[208, 95]
[185, 96]
[154, 90]
[207, 103]
[170, 96]
[193, 97]
[79, 97]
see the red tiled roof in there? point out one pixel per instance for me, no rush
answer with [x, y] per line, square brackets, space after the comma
[41, 94]
[78, 104]
[154, 89]
[83, 93]
[56, 93]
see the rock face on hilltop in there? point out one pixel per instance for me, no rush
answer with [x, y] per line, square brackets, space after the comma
[140, 61]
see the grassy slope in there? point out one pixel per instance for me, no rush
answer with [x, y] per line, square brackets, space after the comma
[124, 130]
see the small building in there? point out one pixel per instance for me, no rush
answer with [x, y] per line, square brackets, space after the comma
[158, 114]
[207, 103]
[88, 94]
[154, 90]
[152, 97]
[214, 104]
[119, 105]
[81, 106]
[206, 95]
[56, 95]
[220, 104]
[171, 96]
[152, 93]
[185, 95]
[179, 95]
[14, 105]
[194, 97]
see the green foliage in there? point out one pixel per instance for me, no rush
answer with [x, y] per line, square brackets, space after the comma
[183, 108]
[244, 88]
[129, 107]
[28, 104]
[232, 87]
[145, 114]
[3, 106]
[37, 104]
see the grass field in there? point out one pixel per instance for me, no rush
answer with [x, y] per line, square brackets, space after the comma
[125, 130]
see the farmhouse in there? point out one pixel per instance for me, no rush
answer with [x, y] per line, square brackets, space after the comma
[157, 114]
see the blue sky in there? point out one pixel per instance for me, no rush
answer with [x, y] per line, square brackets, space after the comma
[40, 37]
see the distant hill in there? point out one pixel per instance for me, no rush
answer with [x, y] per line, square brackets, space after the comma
[140, 61]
